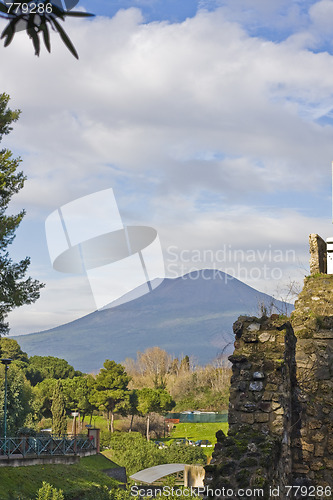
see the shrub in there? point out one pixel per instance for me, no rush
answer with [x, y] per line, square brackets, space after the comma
[47, 492]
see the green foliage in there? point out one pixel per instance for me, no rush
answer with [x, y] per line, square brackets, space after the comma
[45, 367]
[14, 289]
[47, 492]
[9, 348]
[154, 400]
[131, 450]
[110, 392]
[37, 24]
[59, 420]
[77, 391]
[79, 481]
[43, 393]
[19, 396]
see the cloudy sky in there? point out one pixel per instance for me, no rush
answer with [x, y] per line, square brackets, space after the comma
[211, 120]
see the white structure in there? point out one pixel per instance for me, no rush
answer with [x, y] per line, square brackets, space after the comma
[329, 245]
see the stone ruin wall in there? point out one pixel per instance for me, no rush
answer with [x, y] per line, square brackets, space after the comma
[281, 399]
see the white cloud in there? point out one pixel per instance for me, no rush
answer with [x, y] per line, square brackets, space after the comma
[188, 122]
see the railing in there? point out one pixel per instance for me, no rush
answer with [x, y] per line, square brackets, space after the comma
[46, 445]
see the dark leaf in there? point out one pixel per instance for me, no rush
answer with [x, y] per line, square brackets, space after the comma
[78, 14]
[3, 8]
[46, 36]
[65, 38]
[31, 30]
[58, 12]
[9, 32]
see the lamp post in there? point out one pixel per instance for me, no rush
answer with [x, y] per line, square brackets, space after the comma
[6, 362]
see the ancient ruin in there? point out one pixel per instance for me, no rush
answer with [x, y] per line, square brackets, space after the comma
[280, 439]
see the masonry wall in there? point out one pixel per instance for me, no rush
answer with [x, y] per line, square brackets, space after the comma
[313, 325]
[281, 402]
[257, 453]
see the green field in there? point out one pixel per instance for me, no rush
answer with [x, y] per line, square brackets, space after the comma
[22, 483]
[194, 432]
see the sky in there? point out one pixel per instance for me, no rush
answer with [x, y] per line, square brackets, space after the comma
[211, 120]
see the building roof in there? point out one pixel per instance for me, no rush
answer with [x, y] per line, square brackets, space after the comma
[152, 474]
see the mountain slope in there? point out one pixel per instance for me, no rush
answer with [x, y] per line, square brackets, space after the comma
[190, 315]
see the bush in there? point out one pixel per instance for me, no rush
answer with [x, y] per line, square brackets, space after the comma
[132, 451]
[47, 492]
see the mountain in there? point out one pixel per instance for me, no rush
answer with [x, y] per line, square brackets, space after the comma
[192, 314]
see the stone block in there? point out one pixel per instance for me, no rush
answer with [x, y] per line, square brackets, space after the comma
[247, 418]
[316, 465]
[318, 436]
[319, 450]
[301, 469]
[256, 386]
[266, 337]
[261, 417]
[307, 446]
[314, 424]
[328, 463]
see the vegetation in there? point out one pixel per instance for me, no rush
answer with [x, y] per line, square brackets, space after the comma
[83, 480]
[133, 451]
[110, 392]
[191, 387]
[15, 288]
[21, 16]
[59, 421]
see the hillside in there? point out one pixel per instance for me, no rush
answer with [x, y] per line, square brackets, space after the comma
[190, 315]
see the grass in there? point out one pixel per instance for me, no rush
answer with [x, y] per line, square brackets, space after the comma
[22, 483]
[194, 432]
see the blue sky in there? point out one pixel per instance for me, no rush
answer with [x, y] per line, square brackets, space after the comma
[211, 120]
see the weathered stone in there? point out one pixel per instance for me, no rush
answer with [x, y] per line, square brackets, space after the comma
[316, 465]
[318, 436]
[319, 450]
[301, 469]
[253, 327]
[250, 406]
[266, 337]
[307, 446]
[256, 386]
[315, 424]
[247, 418]
[328, 463]
[242, 386]
[258, 376]
[261, 417]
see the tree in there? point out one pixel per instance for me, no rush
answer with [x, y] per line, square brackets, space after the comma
[14, 289]
[22, 15]
[9, 348]
[110, 391]
[59, 420]
[155, 362]
[19, 398]
[77, 393]
[42, 367]
[153, 400]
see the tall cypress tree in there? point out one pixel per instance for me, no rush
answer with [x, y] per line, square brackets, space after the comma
[15, 289]
[59, 420]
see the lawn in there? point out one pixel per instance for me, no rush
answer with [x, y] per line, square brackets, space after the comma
[22, 483]
[194, 432]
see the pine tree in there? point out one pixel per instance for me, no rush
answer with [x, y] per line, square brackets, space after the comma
[59, 420]
[15, 289]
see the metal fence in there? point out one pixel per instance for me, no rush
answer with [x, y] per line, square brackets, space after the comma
[198, 417]
[46, 445]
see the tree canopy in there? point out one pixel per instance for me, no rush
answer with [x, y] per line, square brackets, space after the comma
[110, 391]
[15, 288]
